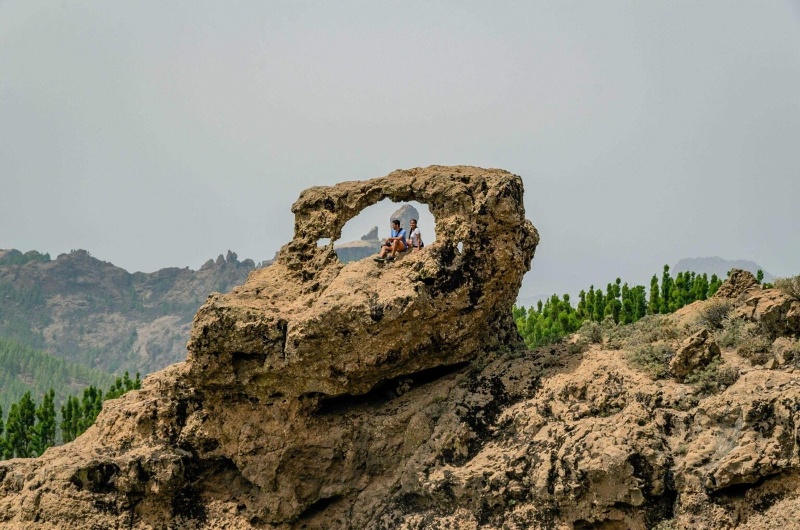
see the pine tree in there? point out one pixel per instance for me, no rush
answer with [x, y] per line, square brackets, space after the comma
[714, 284]
[581, 310]
[44, 433]
[3, 445]
[654, 307]
[666, 290]
[759, 276]
[19, 426]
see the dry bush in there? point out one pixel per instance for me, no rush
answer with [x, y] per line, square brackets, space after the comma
[789, 286]
[591, 331]
[651, 328]
[756, 348]
[714, 312]
[653, 359]
[750, 340]
[734, 331]
[717, 376]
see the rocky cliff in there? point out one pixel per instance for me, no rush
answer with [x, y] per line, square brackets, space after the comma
[89, 311]
[398, 396]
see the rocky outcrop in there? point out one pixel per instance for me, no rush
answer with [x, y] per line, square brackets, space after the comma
[405, 214]
[737, 283]
[309, 325]
[696, 352]
[276, 408]
[773, 309]
[391, 429]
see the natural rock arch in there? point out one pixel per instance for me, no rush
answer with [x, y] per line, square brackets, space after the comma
[311, 325]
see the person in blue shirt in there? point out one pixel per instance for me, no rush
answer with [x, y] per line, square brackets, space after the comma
[395, 243]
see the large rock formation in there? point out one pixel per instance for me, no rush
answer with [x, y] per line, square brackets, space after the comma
[311, 325]
[261, 411]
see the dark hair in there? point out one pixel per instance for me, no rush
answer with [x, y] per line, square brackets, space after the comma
[395, 221]
[414, 220]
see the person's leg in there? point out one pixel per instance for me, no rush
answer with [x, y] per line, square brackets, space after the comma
[397, 246]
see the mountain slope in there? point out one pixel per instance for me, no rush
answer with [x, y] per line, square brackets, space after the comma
[24, 369]
[91, 312]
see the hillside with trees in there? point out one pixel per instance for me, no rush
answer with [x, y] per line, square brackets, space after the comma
[25, 369]
[92, 313]
[557, 317]
[30, 428]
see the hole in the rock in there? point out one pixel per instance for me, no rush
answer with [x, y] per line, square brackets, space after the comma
[324, 242]
[460, 247]
[362, 235]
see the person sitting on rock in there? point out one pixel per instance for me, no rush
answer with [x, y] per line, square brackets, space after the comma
[415, 236]
[395, 243]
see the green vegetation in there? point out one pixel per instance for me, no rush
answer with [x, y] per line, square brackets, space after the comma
[29, 428]
[716, 376]
[556, 318]
[15, 257]
[652, 359]
[25, 369]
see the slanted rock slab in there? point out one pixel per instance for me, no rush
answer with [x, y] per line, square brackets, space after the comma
[696, 352]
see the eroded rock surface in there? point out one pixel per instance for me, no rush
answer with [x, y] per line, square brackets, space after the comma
[737, 283]
[310, 325]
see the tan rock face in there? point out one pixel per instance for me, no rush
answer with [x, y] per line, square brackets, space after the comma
[737, 283]
[310, 325]
[779, 314]
[696, 352]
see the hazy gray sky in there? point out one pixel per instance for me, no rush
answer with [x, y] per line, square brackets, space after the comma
[159, 134]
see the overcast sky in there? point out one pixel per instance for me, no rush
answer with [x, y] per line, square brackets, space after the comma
[158, 134]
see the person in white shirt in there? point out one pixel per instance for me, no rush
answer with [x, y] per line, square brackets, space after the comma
[415, 236]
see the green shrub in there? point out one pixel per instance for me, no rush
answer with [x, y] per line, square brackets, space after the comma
[718, 375]
[652, 328]
[714, 312]
[756, 348]
[591, 331]
[653, 359]
[734, 331]
[789, 286]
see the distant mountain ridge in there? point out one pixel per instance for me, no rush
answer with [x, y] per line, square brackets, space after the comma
[91, 312]
[719, 266]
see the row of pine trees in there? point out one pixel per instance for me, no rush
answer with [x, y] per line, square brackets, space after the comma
[556, 318]
[29, 428]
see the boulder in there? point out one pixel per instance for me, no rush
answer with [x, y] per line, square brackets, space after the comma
[786, 350]
[773, 309]
[694, 353]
